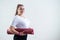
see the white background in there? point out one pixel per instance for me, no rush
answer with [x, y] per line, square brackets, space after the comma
[44, 16]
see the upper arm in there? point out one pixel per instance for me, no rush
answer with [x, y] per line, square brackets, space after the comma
[14, 22]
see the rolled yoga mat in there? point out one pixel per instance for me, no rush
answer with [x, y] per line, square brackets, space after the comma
[26, 30]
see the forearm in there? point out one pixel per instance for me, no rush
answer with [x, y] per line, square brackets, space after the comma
[14, 31]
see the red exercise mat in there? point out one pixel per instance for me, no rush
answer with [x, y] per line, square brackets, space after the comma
[26, 30]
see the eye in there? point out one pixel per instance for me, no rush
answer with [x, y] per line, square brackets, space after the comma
[21, 8]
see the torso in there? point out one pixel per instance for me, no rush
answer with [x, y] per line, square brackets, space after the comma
[23, 22]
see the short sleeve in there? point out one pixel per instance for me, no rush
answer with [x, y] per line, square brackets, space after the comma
[14, 22]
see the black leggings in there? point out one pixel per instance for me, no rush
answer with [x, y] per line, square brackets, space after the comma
[18, 37]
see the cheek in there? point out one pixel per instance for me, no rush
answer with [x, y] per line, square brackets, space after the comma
[18, 10]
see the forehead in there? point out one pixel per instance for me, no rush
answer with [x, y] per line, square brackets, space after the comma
[21, 6]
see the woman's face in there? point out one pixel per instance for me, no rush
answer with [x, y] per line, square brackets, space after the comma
[20, 10]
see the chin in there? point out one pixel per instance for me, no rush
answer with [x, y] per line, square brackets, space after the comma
[20, 14]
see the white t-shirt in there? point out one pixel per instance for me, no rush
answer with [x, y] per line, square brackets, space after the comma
[20, 22]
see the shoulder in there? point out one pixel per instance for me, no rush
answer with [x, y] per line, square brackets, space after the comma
[15, 17]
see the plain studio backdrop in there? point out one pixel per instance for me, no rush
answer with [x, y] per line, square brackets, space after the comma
[43, 14]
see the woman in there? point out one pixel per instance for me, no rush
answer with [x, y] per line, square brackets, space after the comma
[19, 21]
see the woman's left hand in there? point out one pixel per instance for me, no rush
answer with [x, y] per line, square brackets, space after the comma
[22, 33]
